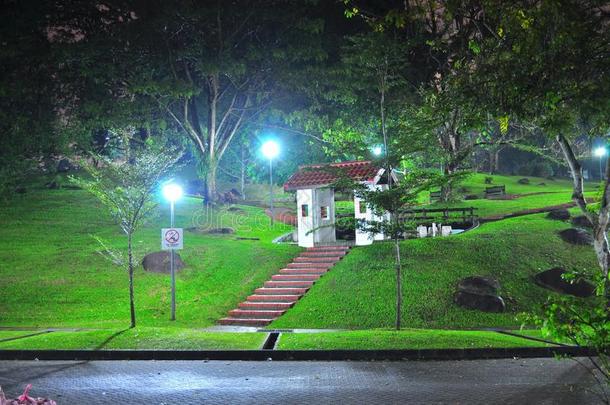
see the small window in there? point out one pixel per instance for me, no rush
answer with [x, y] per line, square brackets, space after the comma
[362, 207]
[324, 212]
[305, 210]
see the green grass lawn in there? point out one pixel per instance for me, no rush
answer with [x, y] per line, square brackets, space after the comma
[555, 192]
[404, 339]
[359, 292]
[53, 276]
[144, 338]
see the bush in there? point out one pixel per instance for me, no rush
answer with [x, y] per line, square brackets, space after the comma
[489, 180]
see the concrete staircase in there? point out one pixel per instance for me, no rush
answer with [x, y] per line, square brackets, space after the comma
[285, 288]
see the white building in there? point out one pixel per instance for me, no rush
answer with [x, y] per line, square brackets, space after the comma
[316, 200]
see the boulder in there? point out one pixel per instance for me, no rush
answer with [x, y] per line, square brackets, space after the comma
[64, 165]
[479, 293]
[576, 236]
[158, 262]
[479, 284]
[581, 222]
[230, 197]
[20, 190]
[524, 180]
[482, 302]
[542, 184]
[561, 214]
[52, 185]
[223, 231]
[552, 280]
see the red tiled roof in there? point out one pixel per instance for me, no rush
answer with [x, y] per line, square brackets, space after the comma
[324, 174]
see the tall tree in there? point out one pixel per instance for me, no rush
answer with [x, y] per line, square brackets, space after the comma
[208, 67]
[126, 188]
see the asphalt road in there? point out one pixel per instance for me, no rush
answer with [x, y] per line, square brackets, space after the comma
[526, 381]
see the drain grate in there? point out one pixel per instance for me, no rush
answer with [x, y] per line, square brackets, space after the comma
[271, 341]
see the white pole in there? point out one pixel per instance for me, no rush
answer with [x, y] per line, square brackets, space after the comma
[271, 188]
[171, 265]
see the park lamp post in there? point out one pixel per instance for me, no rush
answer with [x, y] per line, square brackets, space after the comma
[172, 192]
[600, 153]
[270, 150]
[377, 150]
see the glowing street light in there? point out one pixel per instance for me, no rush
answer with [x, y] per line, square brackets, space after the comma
[172, 192]
[377, 150]
[270, 150]
[600, 153]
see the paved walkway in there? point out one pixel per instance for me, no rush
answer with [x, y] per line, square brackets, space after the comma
[539, 381]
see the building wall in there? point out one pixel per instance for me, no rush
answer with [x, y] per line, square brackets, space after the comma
[305, 223]
[313, 227]
[364, 212]
[324, 199]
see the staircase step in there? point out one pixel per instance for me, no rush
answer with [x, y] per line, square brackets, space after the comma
[323, 254]
[280, 291]
[328, 249]
[288, 284]
[291, 298]
[255, 314]
[270, 306]
[295, 277]
[329, 260]
[323, 266]
[309, 271]
[245, 322]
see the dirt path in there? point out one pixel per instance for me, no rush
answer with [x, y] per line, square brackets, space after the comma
[500, 217]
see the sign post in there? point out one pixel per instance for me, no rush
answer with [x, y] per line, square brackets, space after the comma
[172, 239]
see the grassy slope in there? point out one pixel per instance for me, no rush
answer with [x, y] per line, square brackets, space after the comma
[556, 192]
[52, 275]
[359, 291]
[139, 338]
[404, 339]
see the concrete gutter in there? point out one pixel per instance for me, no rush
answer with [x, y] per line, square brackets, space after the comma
[297, 355]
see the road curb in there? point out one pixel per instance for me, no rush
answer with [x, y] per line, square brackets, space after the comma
[297, 355]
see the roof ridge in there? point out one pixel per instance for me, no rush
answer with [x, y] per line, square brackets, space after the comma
[347, 162]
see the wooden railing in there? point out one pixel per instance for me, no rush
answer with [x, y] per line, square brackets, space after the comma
[465, 214]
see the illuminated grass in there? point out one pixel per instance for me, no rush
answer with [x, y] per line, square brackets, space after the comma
[359, 292]
[52, 275]
[404, 339]
[166, 338]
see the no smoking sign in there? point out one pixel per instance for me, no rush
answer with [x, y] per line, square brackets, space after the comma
[171, 238]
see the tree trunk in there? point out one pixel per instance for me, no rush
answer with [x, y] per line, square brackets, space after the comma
[398, 283]
[132, 308]
[211, 194]
[446, 189]
[600, 221]
[492, 161]
[242, 174]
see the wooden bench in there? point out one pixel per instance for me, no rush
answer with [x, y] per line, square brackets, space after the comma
[435, 196]
[466, 215]
[495, 191]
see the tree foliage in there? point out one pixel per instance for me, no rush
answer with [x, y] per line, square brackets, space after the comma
[126, 188]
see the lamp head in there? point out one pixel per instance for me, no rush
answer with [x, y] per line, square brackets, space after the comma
[172, 192]
[599, 152]
[270, 149]
[377, 150]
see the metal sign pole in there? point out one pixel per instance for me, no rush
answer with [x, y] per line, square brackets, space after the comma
[271, 188]
[171, 265]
